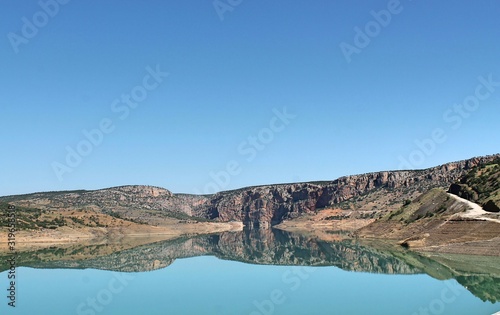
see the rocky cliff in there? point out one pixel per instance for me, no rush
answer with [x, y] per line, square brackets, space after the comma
[269, 205]
[261, 206]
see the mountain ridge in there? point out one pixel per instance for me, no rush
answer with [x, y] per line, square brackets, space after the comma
[256, 206]
[319, 182]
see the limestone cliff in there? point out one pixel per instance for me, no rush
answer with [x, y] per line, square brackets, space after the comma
[261, 206]
[269, 205]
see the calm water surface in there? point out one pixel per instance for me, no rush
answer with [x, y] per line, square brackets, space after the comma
[265, 273]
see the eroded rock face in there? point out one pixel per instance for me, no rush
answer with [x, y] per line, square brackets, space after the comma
[267, 205]
[261, 206]
[144, 191]
[264, 206]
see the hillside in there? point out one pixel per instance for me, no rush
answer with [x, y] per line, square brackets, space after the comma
[142, 204]
[409, 207]
[481, 185]
[440, 221]
[367, 195]
[44, 226]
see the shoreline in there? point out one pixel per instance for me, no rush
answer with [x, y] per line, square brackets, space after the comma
[26, 240]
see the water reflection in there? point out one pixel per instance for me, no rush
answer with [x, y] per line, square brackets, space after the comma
[480, 275]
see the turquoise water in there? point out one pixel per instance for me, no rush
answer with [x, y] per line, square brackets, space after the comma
[209, 285]
[252, 272]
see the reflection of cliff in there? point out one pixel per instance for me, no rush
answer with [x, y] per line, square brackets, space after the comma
[272, 247]
[138, 259]
[484, 287]
[275, 247]
[480, 275]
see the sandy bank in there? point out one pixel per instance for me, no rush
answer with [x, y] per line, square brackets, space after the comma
[64, 235]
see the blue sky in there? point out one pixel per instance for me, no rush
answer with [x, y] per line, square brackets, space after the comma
[226, 80]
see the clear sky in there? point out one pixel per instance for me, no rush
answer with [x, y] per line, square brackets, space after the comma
[322, 88]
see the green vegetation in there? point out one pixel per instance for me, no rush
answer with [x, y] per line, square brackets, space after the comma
[113, 214]
[434, 203]
[485, 287]
[27, 218]
[48, 195]
[183, 216]
[77, 220]
[481, 185]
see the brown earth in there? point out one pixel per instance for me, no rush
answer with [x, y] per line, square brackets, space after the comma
[437, 222]
[25, 240]
[327, 225]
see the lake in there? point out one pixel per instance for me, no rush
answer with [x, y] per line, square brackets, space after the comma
[259, 272]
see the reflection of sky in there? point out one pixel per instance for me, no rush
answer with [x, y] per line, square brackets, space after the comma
[207, 285]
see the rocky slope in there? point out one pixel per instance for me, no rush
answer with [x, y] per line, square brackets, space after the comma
[264, 206]
[451, 222]
[136, 202]
[439, 222]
